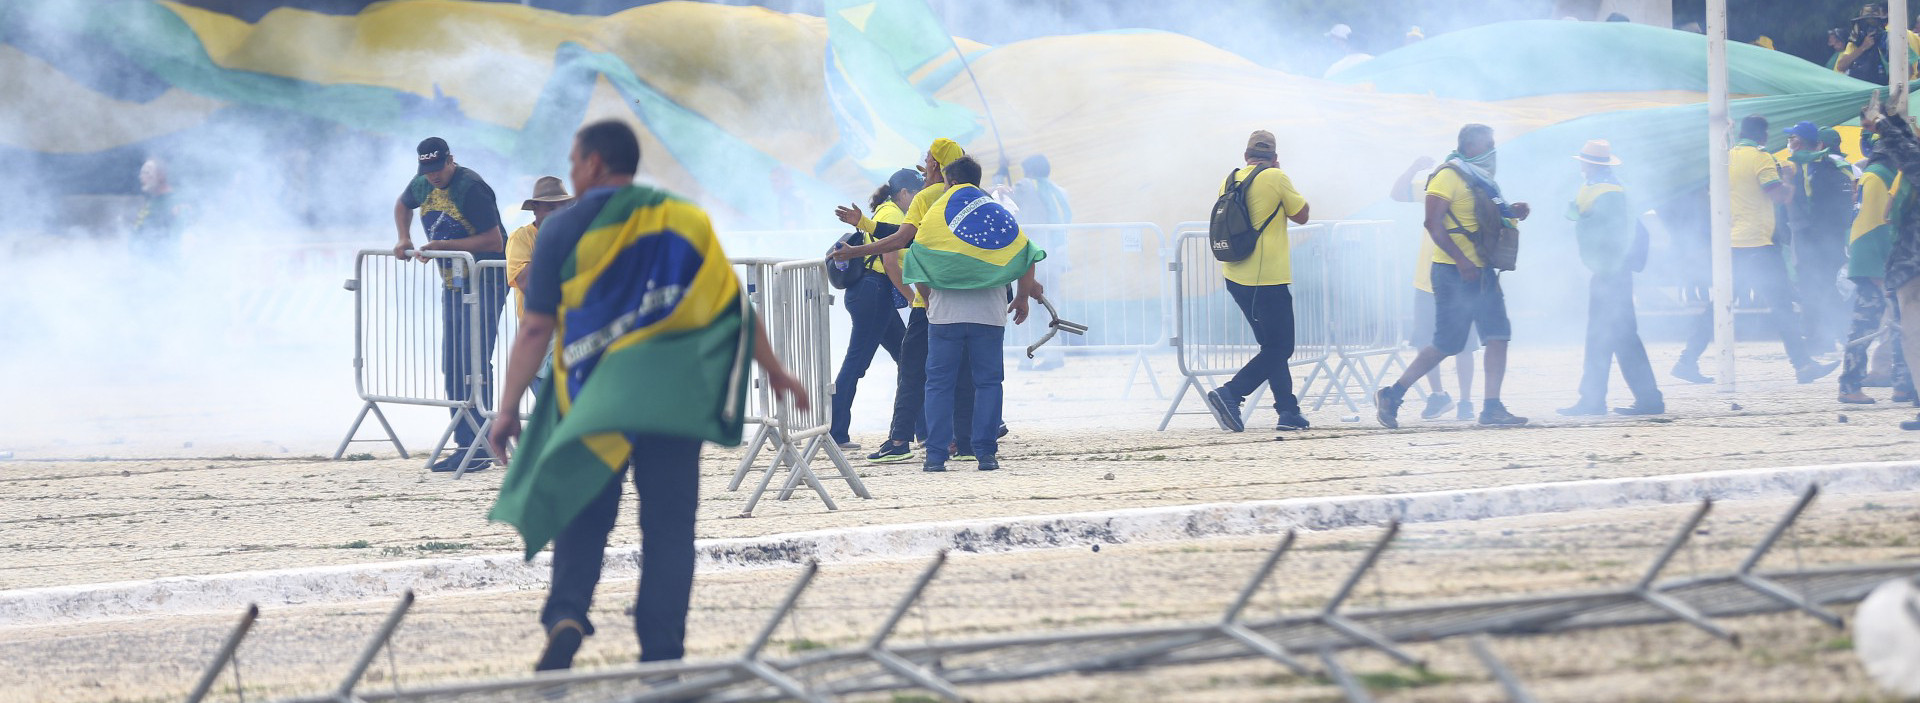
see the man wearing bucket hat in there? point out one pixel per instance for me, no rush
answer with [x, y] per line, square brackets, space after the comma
[1604, 227]
[1865, 55]
[549, 194]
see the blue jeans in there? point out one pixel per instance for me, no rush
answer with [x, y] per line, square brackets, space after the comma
[876, 325]
[976, 348]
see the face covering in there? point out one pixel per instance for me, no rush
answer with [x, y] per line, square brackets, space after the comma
[1488, 162]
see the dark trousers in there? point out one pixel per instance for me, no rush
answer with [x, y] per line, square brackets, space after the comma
[457, 343]
[875, 326]
[1816, 263]
[1870, 302]
[951, 348]
[1614, 333]
[910, 397]
[1763, 269]
[666, 474]
[1269, 310]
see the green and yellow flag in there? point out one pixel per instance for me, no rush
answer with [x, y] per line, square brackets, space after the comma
[968, 241]
[653, 336]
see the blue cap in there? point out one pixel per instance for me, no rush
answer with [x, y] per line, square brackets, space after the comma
[1805, 130]
[906, 179]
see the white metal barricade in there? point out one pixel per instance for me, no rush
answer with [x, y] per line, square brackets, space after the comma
[505, 304]
[1111, 277]
[406, 316]
[794, 300]
[1211, 338]
[1367, 279]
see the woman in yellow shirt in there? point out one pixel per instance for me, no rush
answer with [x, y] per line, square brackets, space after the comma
[874, 300]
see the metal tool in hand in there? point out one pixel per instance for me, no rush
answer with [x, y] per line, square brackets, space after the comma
[1054, 326]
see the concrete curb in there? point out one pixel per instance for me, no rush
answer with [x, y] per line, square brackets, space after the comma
[226, 593]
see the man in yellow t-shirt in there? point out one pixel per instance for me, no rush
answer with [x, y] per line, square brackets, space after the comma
[549, 194]
[1410, 187]
[1466, 292]
[1259, 285]
[1756, 185]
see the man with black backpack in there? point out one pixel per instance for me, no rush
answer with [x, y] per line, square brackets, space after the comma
[1613, 248]
[1472, 225]
[1249, 234]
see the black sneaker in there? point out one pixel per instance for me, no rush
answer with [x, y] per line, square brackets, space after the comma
[1465, 412]
[1583, 408]
[1494, 413]
[1689, 371]
[891, 452]
[1387, 407]
[989, 463]
[1291, 421]
[451, 464]
[1438, 403]
[563, 641]
[933, 466]
[1911, 425]
[1814, 371]
[1225, 413]
[1003, 431]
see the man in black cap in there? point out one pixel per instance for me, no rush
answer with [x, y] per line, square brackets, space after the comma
[458, 213]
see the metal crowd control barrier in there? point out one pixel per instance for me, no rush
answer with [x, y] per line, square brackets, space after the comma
[504, 302]
[794, 300]
[408, 322]
[1291, 640]
[1211, 337]
[1370, 320]
[1112, 277]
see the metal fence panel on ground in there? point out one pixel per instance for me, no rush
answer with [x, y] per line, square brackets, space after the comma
[412, 325]
[1291, 640]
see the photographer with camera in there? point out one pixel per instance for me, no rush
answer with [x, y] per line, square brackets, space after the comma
[1865, 57]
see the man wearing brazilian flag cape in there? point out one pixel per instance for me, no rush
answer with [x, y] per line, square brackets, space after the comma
[649, 335]
[964, 250]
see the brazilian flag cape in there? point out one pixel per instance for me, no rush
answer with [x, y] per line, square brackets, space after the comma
[968, 241]
[653, 336]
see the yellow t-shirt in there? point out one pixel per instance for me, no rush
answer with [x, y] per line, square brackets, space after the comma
[1271, 263]
[917, 211]
[1448, 184]
[519, 255]
[1875, 193]
[888, 213]
[1752, 170]
[1422, 268]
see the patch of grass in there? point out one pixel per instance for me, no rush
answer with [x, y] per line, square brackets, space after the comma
[444, 546]
[359, 456]
[913, 698]
[804, 645]
[1842, 643]
[393, 551]
[356, 544]
[1396, 681]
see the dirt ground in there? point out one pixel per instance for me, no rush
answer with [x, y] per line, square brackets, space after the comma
[1785, 657]
[119, 497]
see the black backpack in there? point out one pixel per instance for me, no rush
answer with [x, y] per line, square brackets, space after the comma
[1230, 232]
[846, 274]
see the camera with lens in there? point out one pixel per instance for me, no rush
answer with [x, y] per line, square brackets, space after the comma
[1872, 21]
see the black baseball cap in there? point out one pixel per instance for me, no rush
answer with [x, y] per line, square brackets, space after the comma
[433, 154]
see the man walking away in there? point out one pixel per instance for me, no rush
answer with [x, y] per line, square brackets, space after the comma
[966, 249]
[1757, 261]
[1605, 228]
[458, 213]
[1903, 262]
[1438, 401]
[1819, 215]
[1260, 284]
[1870, 245]
[649, 331]
[1466, 292]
